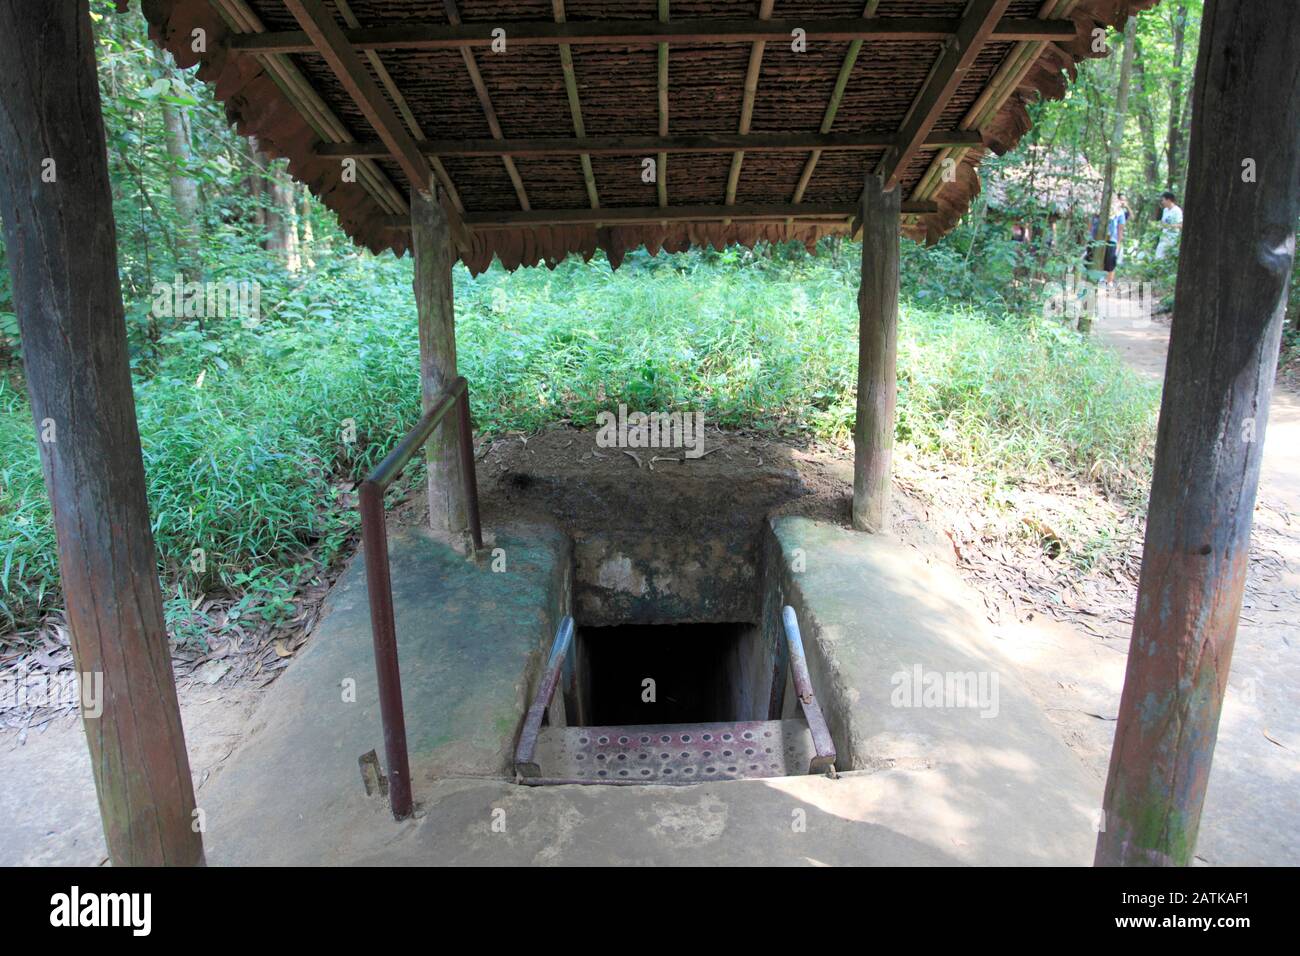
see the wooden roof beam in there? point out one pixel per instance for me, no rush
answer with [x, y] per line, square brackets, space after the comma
[650, 214]
[747, 101]
[412, 124]
[949, 70]
[833, 104]
[442, 36]
[303, 98]
[489, 112]
[329, 41]
[645, 145]
[1012, 71]
[575, 105]
[661, 167]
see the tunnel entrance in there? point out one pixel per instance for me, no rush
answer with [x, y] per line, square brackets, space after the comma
[672, 704]
[669, 674]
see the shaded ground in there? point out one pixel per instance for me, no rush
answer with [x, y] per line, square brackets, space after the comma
[48, 812]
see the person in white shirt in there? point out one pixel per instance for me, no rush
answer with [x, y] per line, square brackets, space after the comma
[1171, 221]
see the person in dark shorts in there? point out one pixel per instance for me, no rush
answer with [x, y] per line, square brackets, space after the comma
[1115, 238]
[1110, 261]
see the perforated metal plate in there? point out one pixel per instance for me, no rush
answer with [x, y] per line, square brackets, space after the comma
[673, 753]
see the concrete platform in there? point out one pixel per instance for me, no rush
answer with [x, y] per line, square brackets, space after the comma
[471, 642]
[884, 818]
[986, 784]
[791, 821]
[911, 678]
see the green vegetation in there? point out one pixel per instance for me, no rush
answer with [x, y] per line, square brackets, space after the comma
[244, 426]
[242, 434]
[254, 431]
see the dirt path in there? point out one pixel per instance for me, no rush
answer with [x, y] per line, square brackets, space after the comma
[1143, 349]
[1252, 812]
[49, 815]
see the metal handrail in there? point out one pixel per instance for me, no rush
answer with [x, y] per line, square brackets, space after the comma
[379, 585]
[824, 747]
[821, 735]
[525, 764]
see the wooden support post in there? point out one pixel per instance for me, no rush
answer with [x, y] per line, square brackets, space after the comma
[434, 303]
[1243, 198]
[873, 433]
[57, 208]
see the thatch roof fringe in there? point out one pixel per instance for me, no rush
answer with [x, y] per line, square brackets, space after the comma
[294, 104]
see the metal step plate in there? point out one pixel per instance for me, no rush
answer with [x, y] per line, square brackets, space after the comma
[673, 753]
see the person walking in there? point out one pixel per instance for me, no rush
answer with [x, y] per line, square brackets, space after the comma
[1115, 238]
[1171, 223]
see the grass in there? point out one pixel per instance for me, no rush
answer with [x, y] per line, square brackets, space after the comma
[774, 346]
[1023, 399]
[246, 430]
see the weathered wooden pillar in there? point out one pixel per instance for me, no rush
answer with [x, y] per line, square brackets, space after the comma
[436, 307]
[1243, 197]
[873, 434]
[62, 245]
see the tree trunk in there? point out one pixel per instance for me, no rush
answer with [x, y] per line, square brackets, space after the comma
[1237, 252]
[184, 188]
[1147, 126]
[1112, 157]
[435, 306]
[306, 236]
[1174, 135]
[282, 219]
[255, 186]
[873, 431]
[61, 239]
[274, 207]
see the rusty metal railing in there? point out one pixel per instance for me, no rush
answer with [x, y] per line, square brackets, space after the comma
[528, 771]
[812, 712]
[525, 762]
[379, 585]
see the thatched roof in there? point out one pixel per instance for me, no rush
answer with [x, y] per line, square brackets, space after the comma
[754, 135]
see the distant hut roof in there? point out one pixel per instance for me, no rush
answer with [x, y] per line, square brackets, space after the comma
[761, 117]
[1050, 178]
